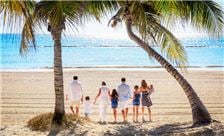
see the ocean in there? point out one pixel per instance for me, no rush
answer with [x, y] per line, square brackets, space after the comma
[103, 52]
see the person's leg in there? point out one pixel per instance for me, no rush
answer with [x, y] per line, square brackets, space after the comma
[87, 116]
[104, 111]
[115, 114]
[126, 114]
[71, 107]
[77, 110]
[101, 112]
[143, 120]
[136, 113]
[149, 113]
[123, 114]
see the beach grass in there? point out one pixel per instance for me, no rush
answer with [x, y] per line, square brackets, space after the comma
[43, 122]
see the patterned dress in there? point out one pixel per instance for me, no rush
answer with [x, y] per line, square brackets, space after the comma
[146, 100]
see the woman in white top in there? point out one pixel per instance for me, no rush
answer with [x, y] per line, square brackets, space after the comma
[104, 98]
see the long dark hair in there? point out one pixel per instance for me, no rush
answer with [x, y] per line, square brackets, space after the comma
[114, 93]
[144, 84]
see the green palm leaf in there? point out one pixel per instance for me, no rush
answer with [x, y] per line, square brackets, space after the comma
[203, 15]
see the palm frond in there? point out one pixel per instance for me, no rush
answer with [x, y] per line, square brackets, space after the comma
[14, 12]
[168, 43]
[99, 9]
[142, 13]
[147, 21]
[203, 15]
[28, 37]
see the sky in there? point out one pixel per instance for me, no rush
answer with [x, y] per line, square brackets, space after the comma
[101, 30]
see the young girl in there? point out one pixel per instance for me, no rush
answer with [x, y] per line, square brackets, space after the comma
[114, 103]
[136, 103]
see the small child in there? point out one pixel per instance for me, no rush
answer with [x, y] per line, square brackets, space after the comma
[87, 107]
[114, 103]
[136, 103]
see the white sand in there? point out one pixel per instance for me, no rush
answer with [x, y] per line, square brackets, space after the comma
[26, 94]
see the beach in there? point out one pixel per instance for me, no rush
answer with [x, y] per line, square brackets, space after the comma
[25, 94]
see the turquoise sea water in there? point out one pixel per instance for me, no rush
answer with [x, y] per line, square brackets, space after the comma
[95, 52]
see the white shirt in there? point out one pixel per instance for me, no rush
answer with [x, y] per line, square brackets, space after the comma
[124, 92]
[104, 94]
[87, 106]
[75, 92]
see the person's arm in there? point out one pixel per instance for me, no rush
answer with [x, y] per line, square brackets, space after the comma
[133, 95]
[81, 93]
[67, 93]
[97, 96]
[66, 97]
[129, 92]
[118, 92]
[140, 89]
[109, 94]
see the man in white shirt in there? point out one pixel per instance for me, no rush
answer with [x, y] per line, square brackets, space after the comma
[75, 95]
[124, 93]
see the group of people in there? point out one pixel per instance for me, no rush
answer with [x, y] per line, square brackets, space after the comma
[118, 98]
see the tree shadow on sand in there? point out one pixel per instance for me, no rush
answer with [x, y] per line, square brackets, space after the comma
[185, 129]
[125, 130]
[53, 132]
[145, 129]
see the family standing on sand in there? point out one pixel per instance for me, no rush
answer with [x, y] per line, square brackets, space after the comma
[118, 98]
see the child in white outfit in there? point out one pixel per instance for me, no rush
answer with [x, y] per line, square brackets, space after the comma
[87, 106]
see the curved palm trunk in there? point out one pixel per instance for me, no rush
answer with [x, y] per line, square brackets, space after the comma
[199, 111]
[59, 110]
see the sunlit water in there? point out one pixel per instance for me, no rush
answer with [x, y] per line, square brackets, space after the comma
[92, 52]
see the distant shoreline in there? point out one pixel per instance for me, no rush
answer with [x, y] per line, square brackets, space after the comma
[116, 68]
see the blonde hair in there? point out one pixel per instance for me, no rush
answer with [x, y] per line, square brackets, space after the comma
[144, 84]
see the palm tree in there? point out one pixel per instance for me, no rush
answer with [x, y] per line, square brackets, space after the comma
[148, 17]
[55, 15]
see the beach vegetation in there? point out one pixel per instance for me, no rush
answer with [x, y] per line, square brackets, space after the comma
[43, 121]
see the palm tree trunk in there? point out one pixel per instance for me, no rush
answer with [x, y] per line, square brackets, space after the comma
[59, 110]
[199, 112]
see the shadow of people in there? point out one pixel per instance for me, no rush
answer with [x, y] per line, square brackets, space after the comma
[126, 129]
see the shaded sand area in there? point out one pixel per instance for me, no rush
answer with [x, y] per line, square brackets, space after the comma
[26, 94]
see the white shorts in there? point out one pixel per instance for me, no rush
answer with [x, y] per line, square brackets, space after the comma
[75, 103]
[123, 104]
